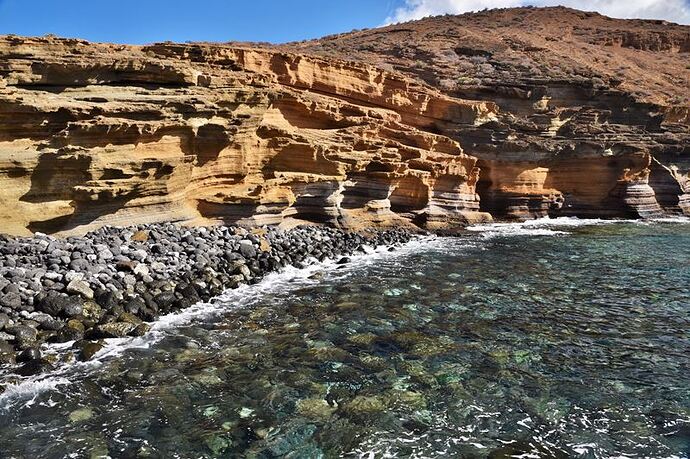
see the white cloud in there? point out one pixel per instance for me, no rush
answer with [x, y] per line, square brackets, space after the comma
[671, 10]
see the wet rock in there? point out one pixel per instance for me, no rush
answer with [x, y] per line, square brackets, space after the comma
[135, 305]
[87, 349]
[69, 333]
[6, 337]
[34, 367]
[129, 318]
[187, 291]
[92, 311]
[165, 300]
[24, 336]
[76, 324]
[46, 321]
[81, 415]
[113, 330]
[106, 299]
[59, 305]
[140, 330]
[29, 354]
[7, 354]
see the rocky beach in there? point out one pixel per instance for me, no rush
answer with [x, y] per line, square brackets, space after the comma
[509, 339]
[459, 236]
[112, 281]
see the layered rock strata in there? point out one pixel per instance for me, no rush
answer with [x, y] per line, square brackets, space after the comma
[514, 113]
[111, 282]
[593, 117]
[93, 134]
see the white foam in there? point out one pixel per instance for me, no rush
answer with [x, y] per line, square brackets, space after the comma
[547, 226]
[29, 390]
[673, 219]
[538, 227]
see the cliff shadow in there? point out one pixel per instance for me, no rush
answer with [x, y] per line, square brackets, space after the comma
[55, 176]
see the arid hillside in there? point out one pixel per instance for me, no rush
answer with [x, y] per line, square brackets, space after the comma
[481, 53]
[592, 109]
[436, 123]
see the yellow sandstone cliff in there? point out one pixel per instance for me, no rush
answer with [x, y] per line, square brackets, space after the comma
[94, 134]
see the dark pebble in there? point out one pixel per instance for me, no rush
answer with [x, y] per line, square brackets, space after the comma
[29, 354]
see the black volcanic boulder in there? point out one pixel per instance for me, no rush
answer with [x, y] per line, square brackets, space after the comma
[165, 300]
[106, 299]
[187, 291]
[11, 300]
[58, 305]
[24, 336]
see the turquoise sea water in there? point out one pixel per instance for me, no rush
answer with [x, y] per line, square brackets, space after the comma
[550, 339]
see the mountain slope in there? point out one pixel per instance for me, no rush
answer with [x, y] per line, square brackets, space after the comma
[436, 123]
[593, 110]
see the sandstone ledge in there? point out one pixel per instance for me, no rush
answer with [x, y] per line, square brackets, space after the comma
[432, 124]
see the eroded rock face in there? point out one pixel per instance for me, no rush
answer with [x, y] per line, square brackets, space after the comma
[464, 123]
[95, 134]
[593, 117]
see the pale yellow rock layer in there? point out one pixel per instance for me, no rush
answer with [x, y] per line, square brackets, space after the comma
[460, 117]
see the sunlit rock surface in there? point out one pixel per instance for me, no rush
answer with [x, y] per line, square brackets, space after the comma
[593, 112]
[515, 113]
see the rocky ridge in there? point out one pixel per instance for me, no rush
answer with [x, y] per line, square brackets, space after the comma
[513, 113]
[593, 115]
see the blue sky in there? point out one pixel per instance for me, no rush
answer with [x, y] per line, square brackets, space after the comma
[146, 21]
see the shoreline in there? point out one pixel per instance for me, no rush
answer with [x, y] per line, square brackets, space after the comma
[115, 282]
[124, 278]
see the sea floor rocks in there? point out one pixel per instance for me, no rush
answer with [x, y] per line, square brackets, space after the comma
[111, 281]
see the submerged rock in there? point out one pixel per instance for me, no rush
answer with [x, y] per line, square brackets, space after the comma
[87, 349]
[217, 444]
[81, 415]
[315, 408]
[363, 406]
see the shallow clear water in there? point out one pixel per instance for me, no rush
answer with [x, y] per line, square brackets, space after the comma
[551, 339]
